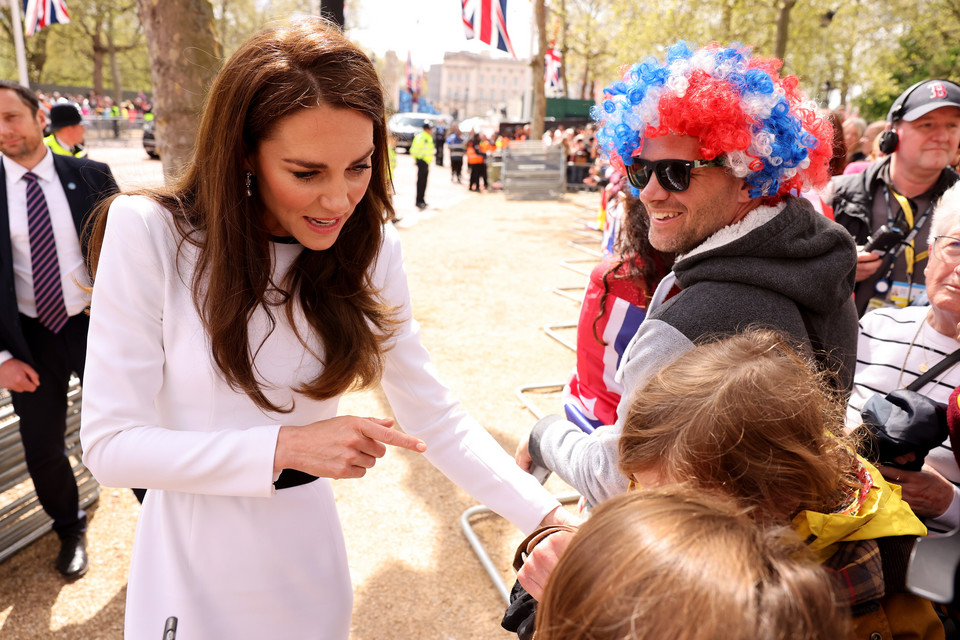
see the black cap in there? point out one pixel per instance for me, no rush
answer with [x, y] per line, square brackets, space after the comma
[922, 98]
[64, 114]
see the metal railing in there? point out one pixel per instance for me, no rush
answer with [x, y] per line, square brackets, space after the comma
[533, 172]
[105, 128]
[22, 520]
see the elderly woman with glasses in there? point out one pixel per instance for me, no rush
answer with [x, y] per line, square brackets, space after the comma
[898, 345]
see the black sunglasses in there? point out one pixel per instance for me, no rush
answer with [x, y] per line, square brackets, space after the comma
[673, 175]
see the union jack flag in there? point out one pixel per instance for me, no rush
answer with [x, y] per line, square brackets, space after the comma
[551, 72]
[38, 14]
[487, 20]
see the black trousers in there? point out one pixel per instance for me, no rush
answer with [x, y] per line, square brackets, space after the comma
[423, 168]
[43, 418]
[456, 167]
[476, 172]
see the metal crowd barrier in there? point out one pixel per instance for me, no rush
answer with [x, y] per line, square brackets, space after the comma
[22, 520]
[533, 172]
[105, 128]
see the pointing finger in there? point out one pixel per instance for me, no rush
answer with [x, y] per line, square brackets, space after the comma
[392, 437]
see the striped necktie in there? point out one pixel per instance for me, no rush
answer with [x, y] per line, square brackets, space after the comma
[47, 292]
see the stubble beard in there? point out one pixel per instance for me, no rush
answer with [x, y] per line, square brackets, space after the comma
[27, 150]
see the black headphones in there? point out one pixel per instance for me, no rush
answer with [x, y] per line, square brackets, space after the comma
[889, 138]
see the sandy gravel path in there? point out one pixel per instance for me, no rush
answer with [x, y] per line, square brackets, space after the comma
[481, 273]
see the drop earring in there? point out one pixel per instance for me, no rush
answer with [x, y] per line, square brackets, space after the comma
[249, 183]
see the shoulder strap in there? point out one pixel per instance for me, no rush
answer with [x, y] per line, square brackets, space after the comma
[934, 371]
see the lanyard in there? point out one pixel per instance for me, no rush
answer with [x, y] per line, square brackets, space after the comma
[908, 244]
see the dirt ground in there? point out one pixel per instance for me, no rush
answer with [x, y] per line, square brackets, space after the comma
[481, 275]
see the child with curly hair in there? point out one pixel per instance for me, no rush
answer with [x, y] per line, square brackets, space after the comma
[748, 417]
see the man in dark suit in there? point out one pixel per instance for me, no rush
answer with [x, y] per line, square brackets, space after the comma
[46, 201]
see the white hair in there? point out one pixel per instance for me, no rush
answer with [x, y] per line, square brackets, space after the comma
[946, 213]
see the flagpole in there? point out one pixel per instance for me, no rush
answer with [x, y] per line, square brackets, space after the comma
[16, 27]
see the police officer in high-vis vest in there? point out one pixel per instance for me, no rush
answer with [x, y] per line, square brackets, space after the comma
[422, 150]
[66, 130]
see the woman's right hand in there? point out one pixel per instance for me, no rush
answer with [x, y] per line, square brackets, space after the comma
[341, 447]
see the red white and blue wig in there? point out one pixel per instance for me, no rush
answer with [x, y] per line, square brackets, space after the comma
[735, 104]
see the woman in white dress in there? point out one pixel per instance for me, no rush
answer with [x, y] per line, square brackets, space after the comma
[229, 314]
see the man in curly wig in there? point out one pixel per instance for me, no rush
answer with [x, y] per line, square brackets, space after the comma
[718, 146]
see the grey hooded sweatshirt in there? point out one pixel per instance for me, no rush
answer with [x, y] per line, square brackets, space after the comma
[785, 268]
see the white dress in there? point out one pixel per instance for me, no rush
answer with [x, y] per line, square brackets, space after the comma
[216, 545]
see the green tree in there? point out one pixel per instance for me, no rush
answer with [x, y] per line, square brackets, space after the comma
[588, 50]
[35, 50]
[101, 47]
[112, 32]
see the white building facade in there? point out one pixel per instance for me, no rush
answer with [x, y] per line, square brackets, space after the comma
[470, 84]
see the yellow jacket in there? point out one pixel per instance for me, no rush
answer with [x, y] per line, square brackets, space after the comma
[422, 147]
[55, 146]
[883, 514]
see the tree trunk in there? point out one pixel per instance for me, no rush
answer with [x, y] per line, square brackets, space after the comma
[97, 67]
[184, 58]
[539, 112]
[783, 27]
[727, 20]
[563, 47]
[37, 56]
[114, 70]
[585, 80]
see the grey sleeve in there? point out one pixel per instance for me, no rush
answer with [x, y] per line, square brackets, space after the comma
[655, 346]
[588, 462]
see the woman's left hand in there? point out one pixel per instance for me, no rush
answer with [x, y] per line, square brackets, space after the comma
[927, 492]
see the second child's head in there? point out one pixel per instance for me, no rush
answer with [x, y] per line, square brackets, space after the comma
[686, 565]
[746, 416]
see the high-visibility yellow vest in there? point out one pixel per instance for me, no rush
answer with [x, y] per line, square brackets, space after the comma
[422, 147]
[55, 146]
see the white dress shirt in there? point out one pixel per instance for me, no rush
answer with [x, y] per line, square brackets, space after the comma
[73, 272]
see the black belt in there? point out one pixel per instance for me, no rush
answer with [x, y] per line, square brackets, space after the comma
[292, 478]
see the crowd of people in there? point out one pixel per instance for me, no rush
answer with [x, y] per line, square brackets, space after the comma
[94, 104]
[471, 154]
[763, 283]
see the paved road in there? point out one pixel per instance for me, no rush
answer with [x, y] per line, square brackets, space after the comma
[134, 169]
[130, 165]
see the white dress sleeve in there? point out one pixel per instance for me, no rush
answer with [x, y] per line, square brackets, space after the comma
[124, 442]
[456, 444]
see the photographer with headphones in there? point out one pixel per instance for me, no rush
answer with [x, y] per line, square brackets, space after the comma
[886, 207]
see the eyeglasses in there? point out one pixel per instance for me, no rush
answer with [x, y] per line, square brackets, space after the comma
[947, 249]
[673, 175]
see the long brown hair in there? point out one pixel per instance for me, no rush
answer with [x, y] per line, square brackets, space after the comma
[637, 260]
[747, 416]
[686, 565]
[279, 71]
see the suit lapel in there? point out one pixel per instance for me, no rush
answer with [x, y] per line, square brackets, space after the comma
[74, 189]
[6, 251]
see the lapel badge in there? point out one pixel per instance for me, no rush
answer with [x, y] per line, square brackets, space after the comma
[72, 186]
